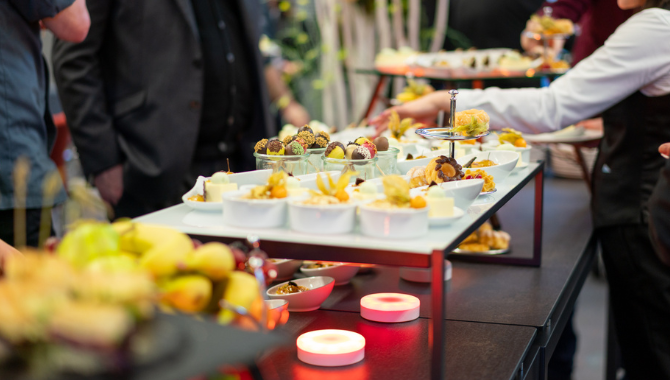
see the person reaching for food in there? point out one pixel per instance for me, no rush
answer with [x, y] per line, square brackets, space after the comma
[628, 81]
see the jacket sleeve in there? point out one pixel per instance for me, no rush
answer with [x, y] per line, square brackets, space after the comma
[35, 10]
[659, 215]
[81, 87]
[570, 9]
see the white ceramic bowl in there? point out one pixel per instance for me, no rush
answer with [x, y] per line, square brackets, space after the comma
[255, 177]
[393, 223]
[464, 192]
[319, 289]
[286, 268]
[524, 152]
[405, 166]
[322, 220]
[505, 160]
[277, 313]
[256, 213]
[308, 181]
[341, 272]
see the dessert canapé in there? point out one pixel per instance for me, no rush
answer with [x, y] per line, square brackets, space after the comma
[489, 185]
[443, 169]
[397, 194]
[440, 206]
[471, 122]
[485, 239]
[218, 184]
[290, 288]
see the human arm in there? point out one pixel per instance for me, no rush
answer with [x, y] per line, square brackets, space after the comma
[292, 111]
[630, 60]
[81, 87]
[71, 24]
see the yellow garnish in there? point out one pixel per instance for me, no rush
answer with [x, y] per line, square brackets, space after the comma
[399, 127]
[396, 189]
[277, 179]
[333, 188]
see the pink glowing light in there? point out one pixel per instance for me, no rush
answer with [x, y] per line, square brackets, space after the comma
[390, 307]
[330, 348]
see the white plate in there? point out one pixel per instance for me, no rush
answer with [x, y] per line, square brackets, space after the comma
[255, 177]
[489, 252]
[563, 136]
[445, 221]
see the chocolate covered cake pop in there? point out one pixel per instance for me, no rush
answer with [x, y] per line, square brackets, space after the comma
[261, 146]
[382, 144]
[335, 150]
[275, 148]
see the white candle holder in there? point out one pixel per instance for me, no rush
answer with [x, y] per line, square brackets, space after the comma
[390, 307]
[331, 348]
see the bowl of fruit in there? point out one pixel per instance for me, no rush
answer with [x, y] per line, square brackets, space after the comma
[261, 207]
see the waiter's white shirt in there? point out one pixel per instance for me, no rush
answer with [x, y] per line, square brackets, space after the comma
[635, 57]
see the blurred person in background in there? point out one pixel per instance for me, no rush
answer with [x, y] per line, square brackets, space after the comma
[26, 127]
[659, 210]
[628, 80]
[160, 93]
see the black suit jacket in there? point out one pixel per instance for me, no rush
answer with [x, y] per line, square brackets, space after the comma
[132, 92]
[659, 215]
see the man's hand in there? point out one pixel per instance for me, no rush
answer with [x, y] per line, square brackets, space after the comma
[423, 110]
[593, 124]
[294, 113]
[71, 24]
[110, 184]
[664, 150]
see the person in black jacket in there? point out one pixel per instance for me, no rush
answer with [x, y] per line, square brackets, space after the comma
[161, 92]
[659, 211]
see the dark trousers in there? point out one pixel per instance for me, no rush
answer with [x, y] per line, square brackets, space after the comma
[33, 217]
[562, 361]
[640, 300]
[130, 207]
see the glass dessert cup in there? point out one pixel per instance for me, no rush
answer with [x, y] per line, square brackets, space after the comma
[315, 164]
[366, 168]
[296, 165]
[387, 162]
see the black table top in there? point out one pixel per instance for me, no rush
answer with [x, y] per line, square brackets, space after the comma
[401, 351]
[495, 293]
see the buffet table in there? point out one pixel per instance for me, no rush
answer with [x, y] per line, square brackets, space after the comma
[516, 312]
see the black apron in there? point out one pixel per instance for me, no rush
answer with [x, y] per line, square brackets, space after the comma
[628, 165]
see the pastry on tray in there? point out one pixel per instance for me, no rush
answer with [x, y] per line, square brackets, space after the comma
[471, 122]
[443, 169]
[485, 239]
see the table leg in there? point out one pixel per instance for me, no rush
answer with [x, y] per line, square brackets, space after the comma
[537, 219]
[438, 307]
[582, 164]
[381, 81]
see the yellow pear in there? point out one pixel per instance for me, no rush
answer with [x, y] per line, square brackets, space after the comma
[188, 293]
[241, 290]
[214, 260]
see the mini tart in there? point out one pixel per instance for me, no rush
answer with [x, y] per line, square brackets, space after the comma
[443, 169]
[417, 177]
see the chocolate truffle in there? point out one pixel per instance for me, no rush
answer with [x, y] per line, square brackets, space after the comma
[324, 135]
[361, 140]
[360, 153]
[288, 139]
[371, 147]
[275, 148]
[335, 150]
[294, 149]
[261, 146]
[307, 128]
[319, 142]
[307, 136]
[350, 150]
[382, 143]
[301, 142]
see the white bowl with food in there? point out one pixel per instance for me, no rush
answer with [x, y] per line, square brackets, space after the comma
[496, 145]
[406, 165]
[464, 192]
[239, 211]
[304, 294]
[341, 272]
[286, 268]
[321, 219]
[393, 223]
[504, 162]
[255, 177]
[308, 181]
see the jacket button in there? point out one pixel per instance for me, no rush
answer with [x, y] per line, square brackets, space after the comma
[194, 105]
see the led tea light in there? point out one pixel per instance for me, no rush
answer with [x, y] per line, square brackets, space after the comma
[331, 348]
[390, 307]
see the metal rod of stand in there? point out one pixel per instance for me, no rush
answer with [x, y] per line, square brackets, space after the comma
[452, 121]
